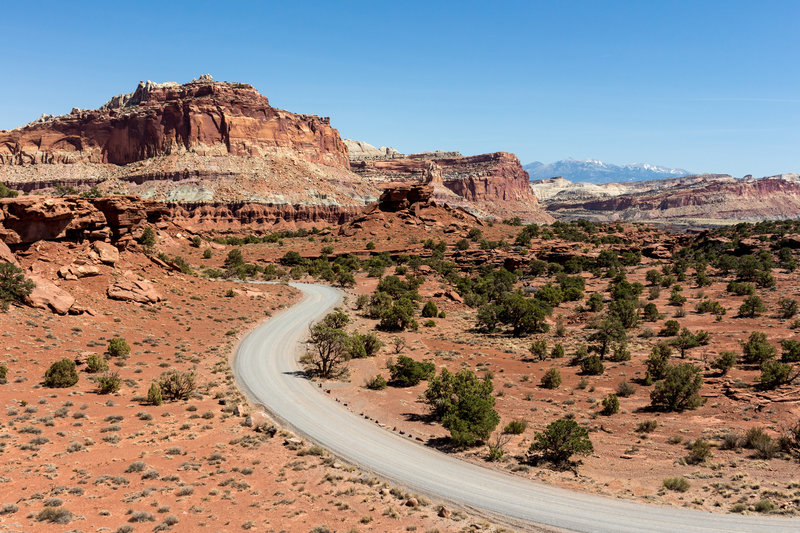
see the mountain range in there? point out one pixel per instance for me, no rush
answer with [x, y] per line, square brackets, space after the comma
[595, 171]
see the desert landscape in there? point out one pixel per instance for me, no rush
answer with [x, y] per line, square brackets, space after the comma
[632, 345]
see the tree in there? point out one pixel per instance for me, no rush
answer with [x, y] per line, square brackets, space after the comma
[14, 286]
[61, 374]
[684, 341]
[679, 390]
[657, 362]
[561, 440]
[653, 277]
[626, 311]
[774, 374]
[788, 307]
[725, 362]
[650, 312]
[752, 306]
[465, 405]
[118, 347]
[330, 350]
[607, 330]
[399, 316]
[524, 315]
[366, 345]
[595, 302]
[406, 372]
[757, 350]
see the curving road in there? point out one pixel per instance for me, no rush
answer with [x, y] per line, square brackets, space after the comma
[267, 370]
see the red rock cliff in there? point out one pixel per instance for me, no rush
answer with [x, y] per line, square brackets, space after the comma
[494, 183]
[202, 117]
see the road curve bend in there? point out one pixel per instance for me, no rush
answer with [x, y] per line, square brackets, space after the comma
[267, 370]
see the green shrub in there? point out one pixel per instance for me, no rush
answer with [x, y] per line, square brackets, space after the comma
[791, 351]
[148, 237]
[406, 372]
[650, 312]
[610, 405]
[677, 484]
[108, 383]
[670, 329]
[757, 350]
[95, 364]
[752, 306]
[429, 310]
[788, 307]
[538, 350]
[5, 192]
[465, 405]
[551, 379]
[620, 353]
[118, 347]
[561, 440]
[764, 506]
[774, 374]
[154, 395]
[741, 289]
[679, 390]
[595, 302]
[699, 451]
[557, 352]
[725, 362]
[14, 286]
[377, 383]
[3, 374]
[515, 427]
[61, 374]
[592, 365]
[177, 385]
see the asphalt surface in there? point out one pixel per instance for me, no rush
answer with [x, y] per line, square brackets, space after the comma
[267, 370]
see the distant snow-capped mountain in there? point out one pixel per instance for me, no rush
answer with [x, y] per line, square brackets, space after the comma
[596, 171]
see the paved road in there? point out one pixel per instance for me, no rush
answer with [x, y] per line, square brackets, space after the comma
[266, 369]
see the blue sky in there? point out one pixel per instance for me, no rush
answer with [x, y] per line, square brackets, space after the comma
[708, 86]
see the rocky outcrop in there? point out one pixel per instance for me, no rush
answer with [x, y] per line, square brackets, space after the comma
[27, 219]
[488, 185]
[704, 200]
[202, 117]
[133, 289]
[6, 255]
[399, 198]
[359, 150]
[255, 216]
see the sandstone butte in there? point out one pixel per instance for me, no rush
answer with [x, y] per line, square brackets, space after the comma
[219, 155]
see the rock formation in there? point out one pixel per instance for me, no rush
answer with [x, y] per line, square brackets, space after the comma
[703, 200]
[488, 184]
[216, 151]
[201, 117]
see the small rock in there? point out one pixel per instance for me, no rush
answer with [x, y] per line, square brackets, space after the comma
[46, 295]
[412, 502]
[444, 512]
[6, 255]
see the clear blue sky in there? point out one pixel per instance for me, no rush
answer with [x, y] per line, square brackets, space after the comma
[707, 86]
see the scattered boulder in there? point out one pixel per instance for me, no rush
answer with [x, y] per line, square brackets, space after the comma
[444, 512]
[412, 502]
[130, 288]
[46, 295]
[106, 253]
[74, 271]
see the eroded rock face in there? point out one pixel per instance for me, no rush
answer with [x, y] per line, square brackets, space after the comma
[203, 117]
[489, 184]
[27, 219]
[402, 197]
